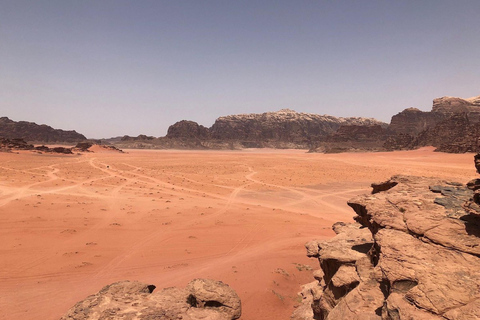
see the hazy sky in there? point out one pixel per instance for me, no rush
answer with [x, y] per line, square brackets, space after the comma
[113, 67]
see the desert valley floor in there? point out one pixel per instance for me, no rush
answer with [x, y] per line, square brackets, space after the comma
[70, 224]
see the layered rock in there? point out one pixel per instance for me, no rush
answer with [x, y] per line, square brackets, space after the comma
[412, 121]
[456, 134]
[285, 126]
[451, 126]
[30, 131]
[201, 299]
[414, 253]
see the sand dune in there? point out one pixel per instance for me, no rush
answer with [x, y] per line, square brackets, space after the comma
[71, 224]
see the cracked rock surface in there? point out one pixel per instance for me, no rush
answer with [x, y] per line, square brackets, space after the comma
[414, 253]
[132, 300]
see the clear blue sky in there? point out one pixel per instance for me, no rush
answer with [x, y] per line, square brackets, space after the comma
[113, 67]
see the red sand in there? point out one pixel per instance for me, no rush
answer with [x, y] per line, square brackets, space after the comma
[71, 224]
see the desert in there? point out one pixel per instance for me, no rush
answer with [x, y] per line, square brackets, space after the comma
[71, 224]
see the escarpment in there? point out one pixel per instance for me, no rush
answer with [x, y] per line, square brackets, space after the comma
[285, 127]
[451, 126]
[30, 131]
[413, 253]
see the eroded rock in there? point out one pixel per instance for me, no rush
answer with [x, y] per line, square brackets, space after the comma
[201, 299]
[423, 261]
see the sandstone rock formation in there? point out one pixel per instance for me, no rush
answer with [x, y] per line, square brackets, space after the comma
[282, 128]
[414, 253]
[201, 299]
[456, 134]
[413, 121]
[30, 131]
[451, 126]
[188, 130]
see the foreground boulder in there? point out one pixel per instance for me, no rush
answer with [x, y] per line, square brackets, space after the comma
[201, 299]
[414, 253]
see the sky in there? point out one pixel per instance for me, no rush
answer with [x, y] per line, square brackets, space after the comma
[109, 68]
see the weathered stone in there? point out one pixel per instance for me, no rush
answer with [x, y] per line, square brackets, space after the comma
[201, 299]
[424, 262]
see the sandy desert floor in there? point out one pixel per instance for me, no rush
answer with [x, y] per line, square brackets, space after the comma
[71, 224]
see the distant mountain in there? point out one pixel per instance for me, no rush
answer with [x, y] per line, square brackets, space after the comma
[32, 132]
[451, 126]
[281, 129]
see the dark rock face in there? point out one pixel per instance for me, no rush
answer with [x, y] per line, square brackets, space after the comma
[414, 253]
[358, 133]
[412, 121]
[399, 141]
[351, 138]
[201, 299]
[83, 146]
[456, 134]
[284, 126]
[451, 126]
[188, 130]
[282, 129]
[141, 137]
[8, 145]
[30, 131]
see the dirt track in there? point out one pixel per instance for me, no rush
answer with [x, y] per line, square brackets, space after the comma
[71, 224]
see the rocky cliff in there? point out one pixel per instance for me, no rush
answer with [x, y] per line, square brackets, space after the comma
[351, 138]
[188, 130]
[30, 131]
[414, 253]
[285, 126]
[456, 134]
[282, 129]
[451, 126]
[201, 299]
[413, 121]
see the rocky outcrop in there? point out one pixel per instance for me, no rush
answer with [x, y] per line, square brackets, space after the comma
[412, 121]
[188, 130]
[285, 126]
[456, 134]
[451, 105]
[451, 126]
[7, 145]
[30, 131]
[414, 253]
[201, 299]
[282, 129]
[140, 137]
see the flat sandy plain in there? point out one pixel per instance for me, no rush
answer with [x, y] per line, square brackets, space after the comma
[70, 224]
